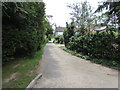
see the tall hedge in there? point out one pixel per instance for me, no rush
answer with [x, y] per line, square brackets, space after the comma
[23, 28]
[102, 45]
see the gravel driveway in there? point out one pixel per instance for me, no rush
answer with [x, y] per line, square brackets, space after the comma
[63, 70]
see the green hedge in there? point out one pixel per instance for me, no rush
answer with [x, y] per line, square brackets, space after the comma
[104, 45]
[23, 28]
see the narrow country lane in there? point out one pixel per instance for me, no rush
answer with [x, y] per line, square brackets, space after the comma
[63, 70]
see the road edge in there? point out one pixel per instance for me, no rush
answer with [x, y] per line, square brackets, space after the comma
[32, 83]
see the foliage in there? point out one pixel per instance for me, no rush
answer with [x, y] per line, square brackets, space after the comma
[110, 63]
[81, 16]
[59, 39]
[25, 69]
[102, 45]
[24, 28]
[113, 8]
[68, 32]
[49, 30]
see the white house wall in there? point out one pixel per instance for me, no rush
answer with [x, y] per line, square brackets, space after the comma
[59, 33]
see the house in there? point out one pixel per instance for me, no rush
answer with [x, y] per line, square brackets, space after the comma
[59, 30]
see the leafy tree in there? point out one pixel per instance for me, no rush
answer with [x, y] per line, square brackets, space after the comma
[49, 30]
[82, 15]
[113, 9]
[24, 28]
[68, 32]
[102, 45]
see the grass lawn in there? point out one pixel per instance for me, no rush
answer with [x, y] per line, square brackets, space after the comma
[109, 63]
[19, 73]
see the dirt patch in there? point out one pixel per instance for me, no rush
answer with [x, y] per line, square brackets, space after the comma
[12, 76]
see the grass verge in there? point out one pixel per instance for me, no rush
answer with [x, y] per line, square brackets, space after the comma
[19, 73]
[109, 63]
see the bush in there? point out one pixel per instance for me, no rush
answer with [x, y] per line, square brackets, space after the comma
[68, 33]
[23, 28]
[58, 39]
[102, 45]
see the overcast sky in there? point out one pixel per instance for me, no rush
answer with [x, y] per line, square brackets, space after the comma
[60, 12]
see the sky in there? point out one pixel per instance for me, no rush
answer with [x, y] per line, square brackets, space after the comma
[60, 12]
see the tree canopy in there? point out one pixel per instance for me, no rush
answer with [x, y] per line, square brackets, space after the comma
[24, 27]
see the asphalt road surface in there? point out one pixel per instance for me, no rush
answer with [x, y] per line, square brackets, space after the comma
[63, 70]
